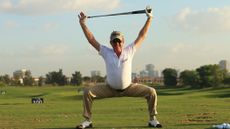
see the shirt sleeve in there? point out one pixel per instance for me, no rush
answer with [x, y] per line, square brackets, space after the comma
[131, 49]
[103, 50]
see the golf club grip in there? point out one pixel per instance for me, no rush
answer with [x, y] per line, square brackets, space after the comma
[142, 11]
[138, 12]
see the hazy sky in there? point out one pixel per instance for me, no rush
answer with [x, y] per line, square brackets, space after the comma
[44, 35]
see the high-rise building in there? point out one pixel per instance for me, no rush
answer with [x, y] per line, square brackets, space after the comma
[151, 72]
[224, 64]
[95, 73]
[149, 67]
[144, 73]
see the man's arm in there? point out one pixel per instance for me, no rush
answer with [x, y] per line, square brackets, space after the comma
[88, 34]
[143, 33]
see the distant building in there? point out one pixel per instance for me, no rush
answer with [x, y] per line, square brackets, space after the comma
[36, 81]
[224, 64]
[20, 74]
[144, 73]
[134, 75]
[149, 75]
[149, 67]
[95, 73]
[68, 79]
[152, 73]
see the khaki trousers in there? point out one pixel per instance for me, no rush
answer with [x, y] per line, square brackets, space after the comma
[105, 91]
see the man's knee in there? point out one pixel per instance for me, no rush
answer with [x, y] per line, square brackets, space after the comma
[152, 91]
[87, 92]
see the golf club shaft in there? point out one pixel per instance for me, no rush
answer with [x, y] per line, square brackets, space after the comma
[124, 13]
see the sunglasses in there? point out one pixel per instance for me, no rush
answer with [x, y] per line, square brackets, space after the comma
[116, 41]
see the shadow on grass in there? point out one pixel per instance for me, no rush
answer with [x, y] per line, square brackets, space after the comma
[196, 124]
[58, 128]
[107, 127]
[167, 91]
[168, 94]
[74, 97]
[122, 127]
[38, 95]
[222, 93]
[5, 104]
[213, 92]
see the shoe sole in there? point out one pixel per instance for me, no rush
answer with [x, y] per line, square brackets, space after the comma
[157, 126]
[80, 126]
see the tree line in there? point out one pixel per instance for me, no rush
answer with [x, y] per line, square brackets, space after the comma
[55, 78]
[202, 77]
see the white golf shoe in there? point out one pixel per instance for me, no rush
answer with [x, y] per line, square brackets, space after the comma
[155, 124]
[85, 124]
[222, 126]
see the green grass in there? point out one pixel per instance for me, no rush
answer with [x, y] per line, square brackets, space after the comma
[178, 108]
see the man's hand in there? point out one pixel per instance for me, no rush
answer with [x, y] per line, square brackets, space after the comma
[82, 17]
[148, 13]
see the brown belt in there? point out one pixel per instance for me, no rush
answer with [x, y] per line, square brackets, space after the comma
[120, 90]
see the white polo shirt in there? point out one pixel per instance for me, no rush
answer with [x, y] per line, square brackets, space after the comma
[118, 70]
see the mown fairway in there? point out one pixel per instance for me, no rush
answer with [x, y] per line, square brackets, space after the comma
[179, 108]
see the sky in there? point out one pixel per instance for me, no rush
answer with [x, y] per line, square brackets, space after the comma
[45, 35]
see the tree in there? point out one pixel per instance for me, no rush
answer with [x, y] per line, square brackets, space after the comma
[56, 78]
[5, 79]
[2, 85]
[41, 81]
[76, 78]
[86, 79]
[210, 75]
[28, 73]
[97, 78]
[190, 78]
[28, 81]
[227, 80]
[170, 77]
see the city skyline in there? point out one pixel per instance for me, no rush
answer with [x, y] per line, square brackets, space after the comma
[145, 70]
[45, 36]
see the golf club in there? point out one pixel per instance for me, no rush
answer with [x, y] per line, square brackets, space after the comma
[149, 9]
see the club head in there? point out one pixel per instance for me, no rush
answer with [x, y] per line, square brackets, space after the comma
[149, 9]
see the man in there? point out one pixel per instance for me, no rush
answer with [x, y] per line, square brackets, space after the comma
[118, 62]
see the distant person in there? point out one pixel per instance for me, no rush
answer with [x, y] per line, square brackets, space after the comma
[118, 60]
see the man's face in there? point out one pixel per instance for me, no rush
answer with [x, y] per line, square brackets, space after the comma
[117, 44]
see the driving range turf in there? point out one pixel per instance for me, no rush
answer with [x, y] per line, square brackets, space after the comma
[178, 108]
